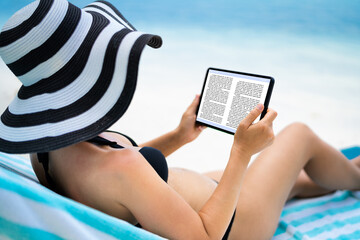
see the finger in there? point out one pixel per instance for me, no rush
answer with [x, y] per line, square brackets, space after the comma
[193, 106]
[202, 127]
[270, 116]
[250, 118]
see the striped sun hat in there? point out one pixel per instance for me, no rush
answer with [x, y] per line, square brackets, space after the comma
[78, 69]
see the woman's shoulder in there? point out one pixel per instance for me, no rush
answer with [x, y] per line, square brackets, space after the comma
[77, 166]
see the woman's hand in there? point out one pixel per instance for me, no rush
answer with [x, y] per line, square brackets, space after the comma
[188, 130]
[252, 138]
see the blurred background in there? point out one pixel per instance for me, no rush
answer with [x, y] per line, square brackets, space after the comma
[310, 47]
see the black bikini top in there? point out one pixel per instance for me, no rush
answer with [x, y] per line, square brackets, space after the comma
[154, 157]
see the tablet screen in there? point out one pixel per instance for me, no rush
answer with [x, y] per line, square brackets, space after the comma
[227, 97]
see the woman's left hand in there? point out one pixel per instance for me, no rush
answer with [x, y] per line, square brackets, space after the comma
[188, 130]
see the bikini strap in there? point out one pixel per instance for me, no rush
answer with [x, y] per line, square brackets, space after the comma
[44, 160]
[124, 135]
[104, 142]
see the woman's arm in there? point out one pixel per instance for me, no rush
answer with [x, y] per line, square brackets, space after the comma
[161, 210]
[186, 132]
[248, 140]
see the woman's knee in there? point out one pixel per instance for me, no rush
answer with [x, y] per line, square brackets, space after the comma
[299, 126]
[300, 129]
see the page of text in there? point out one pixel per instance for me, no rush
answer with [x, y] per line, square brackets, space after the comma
[229, 97]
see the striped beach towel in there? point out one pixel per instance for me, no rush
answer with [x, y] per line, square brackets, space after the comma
[334, 216]
[30, 211]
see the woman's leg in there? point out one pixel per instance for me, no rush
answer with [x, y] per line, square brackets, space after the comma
[305, 187]
[270, 178]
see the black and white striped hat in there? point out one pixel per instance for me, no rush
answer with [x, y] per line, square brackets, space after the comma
[78, 69]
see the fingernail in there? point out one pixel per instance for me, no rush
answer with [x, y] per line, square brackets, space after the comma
[260, 106]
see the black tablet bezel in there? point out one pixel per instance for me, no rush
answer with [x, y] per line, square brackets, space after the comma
[267, 98]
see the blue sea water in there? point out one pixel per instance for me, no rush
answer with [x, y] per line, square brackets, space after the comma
[310, 47]
[331, 18]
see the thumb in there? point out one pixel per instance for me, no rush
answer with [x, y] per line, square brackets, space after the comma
[250, 118]
[193, 106]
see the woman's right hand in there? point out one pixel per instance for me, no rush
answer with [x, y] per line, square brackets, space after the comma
[252, 138]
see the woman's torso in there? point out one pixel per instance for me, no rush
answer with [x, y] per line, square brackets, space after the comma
[75, 168]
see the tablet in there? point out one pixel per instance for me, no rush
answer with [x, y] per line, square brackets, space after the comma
[228, 96]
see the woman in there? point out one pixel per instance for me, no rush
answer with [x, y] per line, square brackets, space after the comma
[121, 183]
[61, 114]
